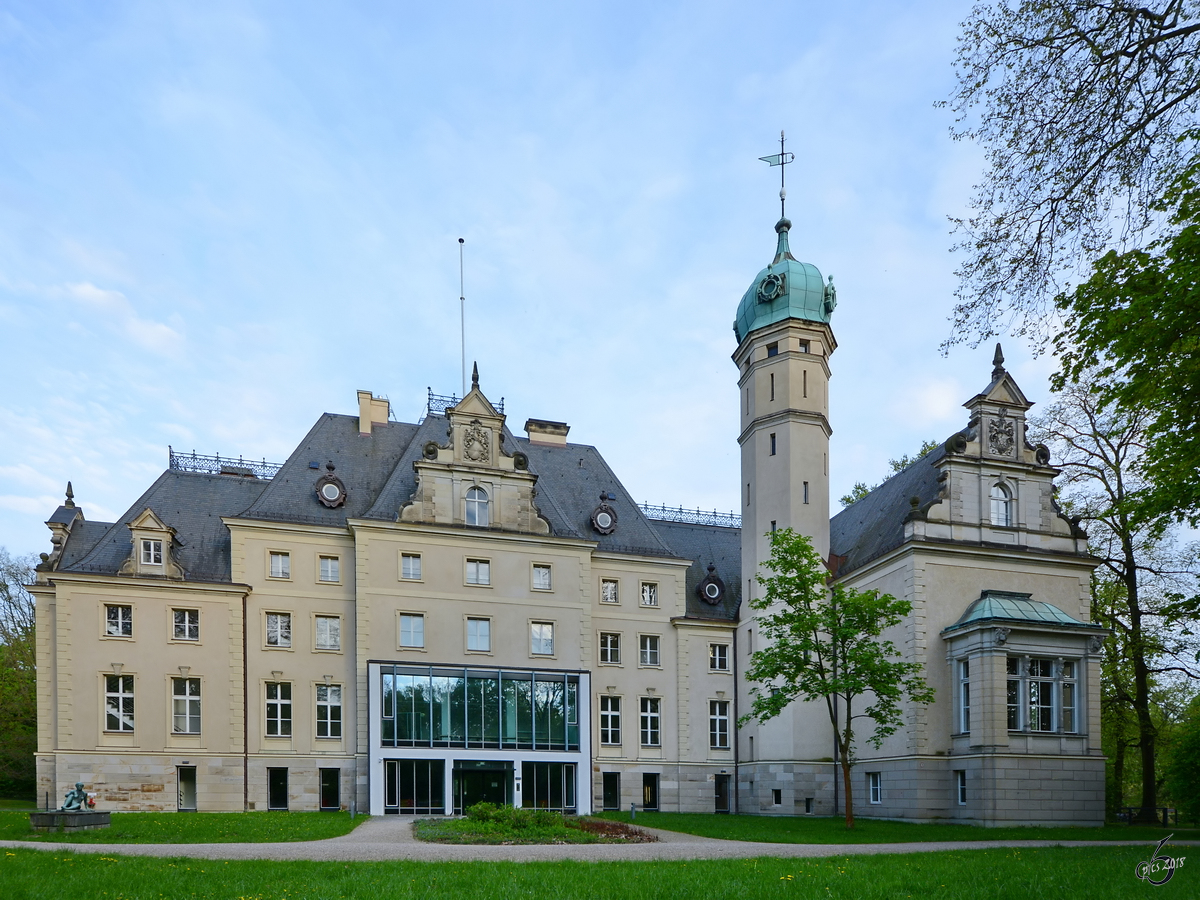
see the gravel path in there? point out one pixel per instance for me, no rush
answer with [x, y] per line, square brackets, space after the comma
[391, 838]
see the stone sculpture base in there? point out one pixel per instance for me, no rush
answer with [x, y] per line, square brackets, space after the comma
[56, 820]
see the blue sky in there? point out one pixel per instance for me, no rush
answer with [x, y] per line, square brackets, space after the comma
[219, 220]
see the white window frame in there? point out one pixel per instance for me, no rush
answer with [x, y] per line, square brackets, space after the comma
[610, 650]
[279, 565]
[410, 563]
[335, 568]
[718, 724]
[118, 703]
[277, 631]
[1033, 680]
[536, 575]
[185, 705]
[649, 651]
[610, 720]
[651, 721]
[479, 634]
[875, 786]
[541, 638]
[960, 786]
[190, 625]
[649, 593]
[415, 634]
[610, 590]
[964, 696]
[277, 723]
[1001, 497]
[329, 699]
[718, 657]
[477, 512]
[122, 623]
[478, 571]
[321, 622]
[152, 552]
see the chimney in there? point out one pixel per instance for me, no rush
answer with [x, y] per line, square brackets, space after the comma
[372, 410]
[546, 433]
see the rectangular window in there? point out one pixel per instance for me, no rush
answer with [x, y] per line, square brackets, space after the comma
[773, 445]
[609, 590]
[648, 650]
[410, 566]
[777, 796]
[773, 349]
[772, 388]
[479, 571]
[718, 657]
[329, 711]
[651, 736]
[151, 553]
[649, 594]
[329, 632]
[774, 526]
[185, 705]
[541, 578]
[279, 708]
[804, 346]
[118, 621]
[331, 568]
[1068, 697]
[960, 783]
[412, 631]
[118, 703]
[718, 724]
[610, 648]
[610, 720]
[1041, 695]
[279, 629]
[875, 786]
[806, 492]
[541, 638]
[1013, 693]
[964, 696]
[804, 378]
[186, 624]
[479, 635]
[281, 565]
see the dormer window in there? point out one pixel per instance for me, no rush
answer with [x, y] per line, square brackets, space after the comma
[1001, 505]
[477, 507]
[152, 553]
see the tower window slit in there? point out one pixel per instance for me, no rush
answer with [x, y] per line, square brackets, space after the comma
[806, 492]
[772, 385]
[805, 373]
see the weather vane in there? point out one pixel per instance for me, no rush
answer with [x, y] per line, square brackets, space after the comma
[781, 159]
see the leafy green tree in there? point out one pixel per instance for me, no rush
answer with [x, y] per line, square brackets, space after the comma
[1183, 765]
[824, 642]
[1085, 111]
[1132, 335]
[860, 488]
[1144, 590]
[18, 678]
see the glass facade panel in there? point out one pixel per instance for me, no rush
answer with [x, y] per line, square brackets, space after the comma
[478, 708]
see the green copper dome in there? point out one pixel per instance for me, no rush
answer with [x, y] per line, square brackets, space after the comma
[786, 289]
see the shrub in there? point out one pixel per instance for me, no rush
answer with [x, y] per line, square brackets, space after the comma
[514, 818]
[1183, 766]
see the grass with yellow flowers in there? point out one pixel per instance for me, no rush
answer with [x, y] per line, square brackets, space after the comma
[1098, 873]
[193, 828]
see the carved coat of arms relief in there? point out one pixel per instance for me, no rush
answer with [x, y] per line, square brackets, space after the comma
[477, 443]
[1002, 435]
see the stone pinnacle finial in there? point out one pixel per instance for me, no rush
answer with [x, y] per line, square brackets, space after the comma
[998, 362]
[475, 376]
[70, 502]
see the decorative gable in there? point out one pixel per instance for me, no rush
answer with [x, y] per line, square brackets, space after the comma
[153, 553]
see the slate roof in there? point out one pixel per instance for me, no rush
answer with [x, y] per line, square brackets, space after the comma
[193, 505]
[707, 545]
[84, 535]
[874, 525]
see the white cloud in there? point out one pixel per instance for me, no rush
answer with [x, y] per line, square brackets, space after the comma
[157, 337]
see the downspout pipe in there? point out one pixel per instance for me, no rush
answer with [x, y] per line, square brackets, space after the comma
[245, 712]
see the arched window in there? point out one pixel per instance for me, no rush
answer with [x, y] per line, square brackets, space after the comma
[477, 507]
[1001, 505]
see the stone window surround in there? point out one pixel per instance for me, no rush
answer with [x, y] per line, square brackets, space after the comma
[649, 649]
[340, 648]
[614, 646]
[468, 618]
[171, 636]
[337, 559]
[122, 604]
[401, 614]
[290, 647]
[534, 566]
[409, 554]
[272, 554]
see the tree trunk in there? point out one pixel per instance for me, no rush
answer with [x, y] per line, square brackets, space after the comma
[849, 791]
[1119, 774]
[1141, 684]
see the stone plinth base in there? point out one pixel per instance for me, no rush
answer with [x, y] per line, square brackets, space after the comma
[59, 820]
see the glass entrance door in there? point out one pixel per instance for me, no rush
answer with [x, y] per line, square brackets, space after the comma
[187, 788]
[650, 790]
[612, 790]
[482, 781]
[277, 788]
[330, 779]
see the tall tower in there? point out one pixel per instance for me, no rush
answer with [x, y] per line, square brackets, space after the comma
[784, 345]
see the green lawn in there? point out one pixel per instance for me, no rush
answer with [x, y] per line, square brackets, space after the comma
[9, 803]
[192, 828]
[1099, 873]
[831, 830]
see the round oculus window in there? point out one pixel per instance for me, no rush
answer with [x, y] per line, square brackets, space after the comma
[712, 588]
[712, 592]
[330, 490]
[604, 520]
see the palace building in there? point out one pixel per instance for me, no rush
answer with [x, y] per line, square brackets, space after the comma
[411, 618]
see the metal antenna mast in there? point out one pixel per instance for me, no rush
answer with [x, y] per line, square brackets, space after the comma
[462, 315]
[781, 159]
